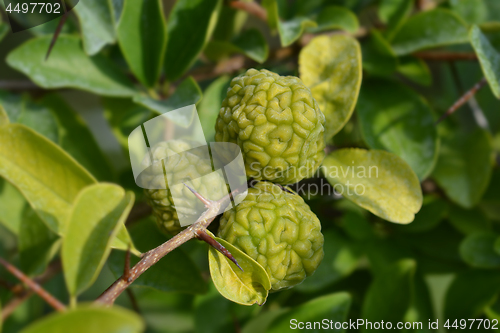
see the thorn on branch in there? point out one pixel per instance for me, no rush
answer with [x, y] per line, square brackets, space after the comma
[205, 201]
[204, 236]
[56, 34]
[126, 268]
[462, 100]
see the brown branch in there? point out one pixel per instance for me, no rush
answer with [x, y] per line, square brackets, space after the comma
[252, 8]
[445, 56]
[152, 257]
[462, 100]
[33, 286]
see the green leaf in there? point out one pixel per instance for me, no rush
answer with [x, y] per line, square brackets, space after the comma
[356, 225]
[250, 43]
[4, 28]
[397, 119]
[464, 166]
[415, 69]
[375, 180]
[69, 67]
[76, 138]
[97, 214]
[247, 287]
[389, 296]
[209, 107]
[48, 177]
[478, 250]
[378, 57]
[37, 243]
[142, 37]
[340, 260]
[190, 26]
[433, 211]
[472, 11]
[489, 58]
[262, 322]
[291, 30]
[96, 25]
[331, 67]
[4, 118]
[336, 17]
[187, 93]
[176, 272]
[12, 205]
[333, 307]
[393, 13]
[468, 221]
[89, 319]
[432, 28]
[116, 8]
[475, 288]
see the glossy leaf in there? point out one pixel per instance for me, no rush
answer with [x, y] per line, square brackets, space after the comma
[472, 11]
[209, 107]
[433, 28]
[116, 8]
[176, 272]
[12, 205]
[468, 221]
[77, 140]
[69, 67]
[489, 58]
[378, 57]
[291, 30]
[247, 287]
[94, 221]
[96, 25]
[142, 37]
[89, 319]
[464, 166]
[389, 296]
[193, 18]
[478, 250]
[48, 177]
[336, 17]
[375, 180]
[415, 69]
[331, 67]
[433, 211]
[393, 13]
[397, 119]
[37, 243]
[251, 43]
[333, 307]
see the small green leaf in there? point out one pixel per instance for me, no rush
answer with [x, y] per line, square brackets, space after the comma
[37, 243]
[209, 107]
[390, 296]
[69, 67]
[12, 205]
[96, 25]
[48, 177]
[97, 214]
[89, 319]
[4, 28]
[468, 221]
[472, 11]
[333, 307]
[397, 119]
[393, 13]
[336, 17]
[4, 118]
[195, 19]
[250, 43]
[378, 57]
[489, 58]
[142, 37]
[432, 28]
[291, 30]
[247, 287]
[331, 67]
[415, 69]
[478, 250]
[464, 166]
[376, 180]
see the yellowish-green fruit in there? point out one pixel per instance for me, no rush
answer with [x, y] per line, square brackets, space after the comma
[277, 124]
[278, 230]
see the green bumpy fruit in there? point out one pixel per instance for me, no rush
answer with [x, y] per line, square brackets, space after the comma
[188, 166]
[278, 230]
[277, 124]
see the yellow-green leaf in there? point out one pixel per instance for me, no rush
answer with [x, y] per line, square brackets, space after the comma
[94, 221]
[246, 287]
[376, 180]
[331, 67]
[4, 119]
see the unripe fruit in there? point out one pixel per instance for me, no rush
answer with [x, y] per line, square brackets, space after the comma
[277, 124]
[278, 230]
[180, 166]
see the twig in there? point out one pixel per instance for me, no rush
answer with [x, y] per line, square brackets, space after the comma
[126, 268]
[152, 257]
[445, 56]
[33, 286]
[252, 8]
[204, 236]
[462, 100]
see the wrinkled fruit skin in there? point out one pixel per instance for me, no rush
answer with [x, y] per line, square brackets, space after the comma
[277, 124]
[185, 167]
[279, 231]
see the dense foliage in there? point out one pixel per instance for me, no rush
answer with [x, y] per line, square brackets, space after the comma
[412, 232]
